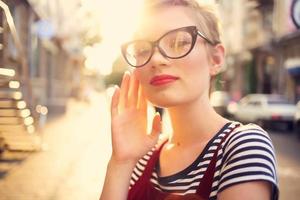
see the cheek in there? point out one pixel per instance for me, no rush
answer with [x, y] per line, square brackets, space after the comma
[196, 75]
[141, 75]
[196, 68]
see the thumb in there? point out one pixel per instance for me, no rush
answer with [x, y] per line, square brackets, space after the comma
[156, 127]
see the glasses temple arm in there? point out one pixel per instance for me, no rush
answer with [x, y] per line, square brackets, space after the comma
[205, 38]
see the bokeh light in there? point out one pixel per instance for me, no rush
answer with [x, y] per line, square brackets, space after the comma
[118, 20]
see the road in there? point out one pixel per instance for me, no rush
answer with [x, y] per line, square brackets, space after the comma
[287, 147]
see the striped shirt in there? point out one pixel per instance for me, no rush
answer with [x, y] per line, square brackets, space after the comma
[246, 155]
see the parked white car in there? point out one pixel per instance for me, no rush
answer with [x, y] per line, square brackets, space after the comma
[262, 109]
[220, 100]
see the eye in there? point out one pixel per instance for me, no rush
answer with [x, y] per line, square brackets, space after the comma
[180, 43]
[142, 52]
[177, 40]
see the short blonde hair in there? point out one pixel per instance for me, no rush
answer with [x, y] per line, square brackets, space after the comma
[205, 15]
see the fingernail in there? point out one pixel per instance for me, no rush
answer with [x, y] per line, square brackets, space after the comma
[127, 72]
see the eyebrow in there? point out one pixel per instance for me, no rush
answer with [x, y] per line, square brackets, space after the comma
[135, 38]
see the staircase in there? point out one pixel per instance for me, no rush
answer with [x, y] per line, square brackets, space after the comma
[17, 120]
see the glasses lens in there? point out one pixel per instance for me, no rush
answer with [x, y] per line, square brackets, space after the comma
[176, 44]
[138, 52]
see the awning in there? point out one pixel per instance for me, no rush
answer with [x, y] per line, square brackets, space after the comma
[293, 66]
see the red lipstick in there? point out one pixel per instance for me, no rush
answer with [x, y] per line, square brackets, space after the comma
[162, 79]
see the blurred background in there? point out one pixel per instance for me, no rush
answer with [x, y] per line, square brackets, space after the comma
[58, 63]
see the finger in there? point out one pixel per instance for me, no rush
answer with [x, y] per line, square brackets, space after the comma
[115, 102]
[142, 101]
[134, 90]
[156, 127]
[124, 91]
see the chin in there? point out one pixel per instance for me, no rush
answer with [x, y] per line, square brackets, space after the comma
[166, 102]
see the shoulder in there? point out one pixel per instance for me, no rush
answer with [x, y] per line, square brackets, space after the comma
[248, 141]
[248, 155]
[245, 135]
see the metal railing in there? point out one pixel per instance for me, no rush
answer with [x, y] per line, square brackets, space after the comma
[21, 57]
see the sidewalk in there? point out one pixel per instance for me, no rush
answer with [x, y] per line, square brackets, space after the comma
[73, 165]
[287, 147]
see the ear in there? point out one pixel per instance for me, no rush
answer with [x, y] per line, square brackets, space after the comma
[217, 59]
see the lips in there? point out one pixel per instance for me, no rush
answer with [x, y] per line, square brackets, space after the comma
[162, 79]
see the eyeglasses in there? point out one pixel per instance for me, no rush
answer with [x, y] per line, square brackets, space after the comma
[174, 44]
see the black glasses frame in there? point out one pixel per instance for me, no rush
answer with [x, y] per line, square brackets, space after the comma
[190, 29]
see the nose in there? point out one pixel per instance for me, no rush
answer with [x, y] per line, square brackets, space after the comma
[158, 58]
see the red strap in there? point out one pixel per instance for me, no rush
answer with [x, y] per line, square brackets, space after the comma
[145, 178]
[152, 161]
[204, 189]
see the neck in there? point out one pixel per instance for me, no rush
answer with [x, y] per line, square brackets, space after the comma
[194, 122]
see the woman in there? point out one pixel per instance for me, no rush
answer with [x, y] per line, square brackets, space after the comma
[176, 52]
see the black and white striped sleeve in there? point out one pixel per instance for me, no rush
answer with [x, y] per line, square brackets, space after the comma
[248, 156]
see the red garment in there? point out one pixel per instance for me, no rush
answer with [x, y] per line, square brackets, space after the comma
[144, 190]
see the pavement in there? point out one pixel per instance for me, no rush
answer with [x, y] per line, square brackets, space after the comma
[72, 166]
[287, 147]
[77, 148]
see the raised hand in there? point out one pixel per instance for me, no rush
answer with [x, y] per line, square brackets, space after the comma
[130, 140]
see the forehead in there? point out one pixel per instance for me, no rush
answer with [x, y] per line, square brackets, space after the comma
[161, 20]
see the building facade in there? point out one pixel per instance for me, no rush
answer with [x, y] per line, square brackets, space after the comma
[262, 48]
[49, 64]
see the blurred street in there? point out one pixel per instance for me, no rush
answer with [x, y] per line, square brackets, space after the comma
[73, 164]
[55, 55]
